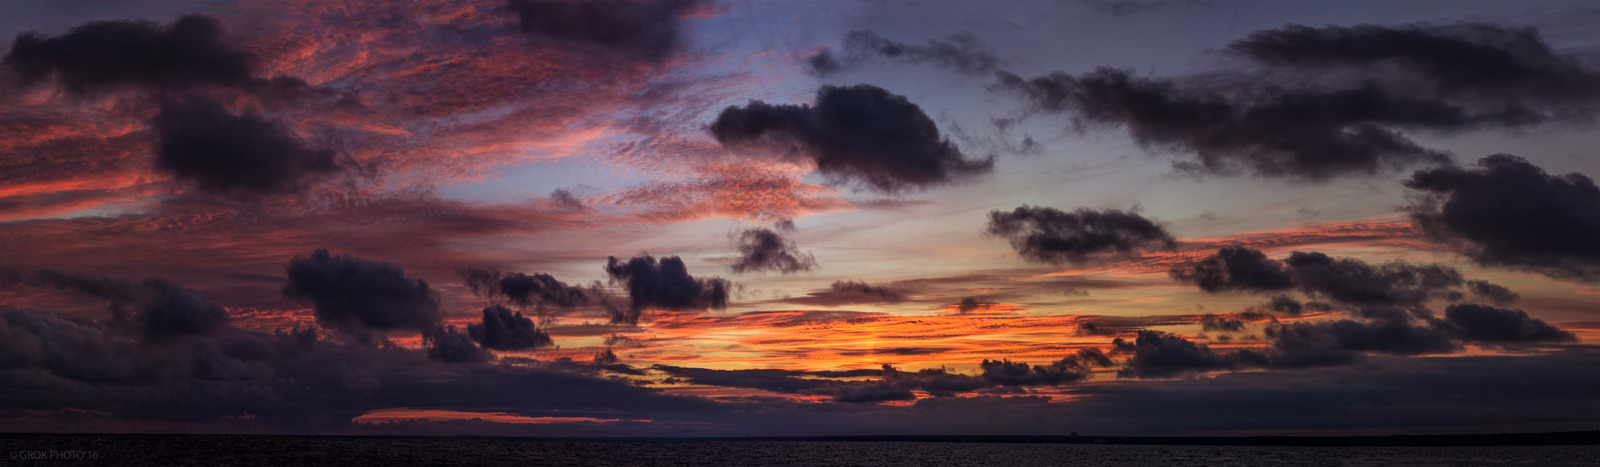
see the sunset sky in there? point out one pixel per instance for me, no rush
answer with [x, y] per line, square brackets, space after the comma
[726, 218]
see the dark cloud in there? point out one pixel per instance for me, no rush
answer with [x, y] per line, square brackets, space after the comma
[775, 380]
[120, 292]
[1126, 8]
[664, 284]
[793, 382]
[525, 290]
[542, 289]
[200, 142]
[1463, 60]
[1510, 213]
[1331, 102]
[1214, 322]
[354, 295]
[1355, 282]
[1304, 344]
[503, 330]
[936, 381]
[1258, 132]
[282, 381]
[1235, 268]
[863, 392]
[1068, 370]
[1049, 235]
[765, 250]
[178, 310]
[1160, 355]
[161, 307]
[1492, 293]
[451, 346]
[605, 357]
[1345, 281]
[861, 134]
[970, 304]
[1287, 305]
[103, 56]
[962, 53]
[1490, 325]
[848, 292]
[647, 29]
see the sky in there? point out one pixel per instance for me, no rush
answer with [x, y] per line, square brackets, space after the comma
[723, 218]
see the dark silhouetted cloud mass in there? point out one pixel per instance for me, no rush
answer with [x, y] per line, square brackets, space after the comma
[647, 29]
[664, 284]
[1049, 235]
[103, 56]
[1160, 355]
[1235, 268]
[199, 141]
[503, 330]
[765, 250]
[1487, 324]
[353, 294]
[861, 134]
[961, 53]
[451, 346]
[1388, 81]
[1507, 212]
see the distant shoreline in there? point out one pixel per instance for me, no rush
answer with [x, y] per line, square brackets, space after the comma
[1565, 438]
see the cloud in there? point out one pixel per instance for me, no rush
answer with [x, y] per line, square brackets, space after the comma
[1465, 61]
[1350, 100]
[201, 142]
[861, 134]
[526, 290]
[1254, 132]
[162, 308]
[1490, 325]
[938, 382]
[103, 56]
[861, 392]
[354, 295]
[1049, 235]
[1492, 293]
[451, 346]
[1214, 322]
[1235, 268]
[775, 380]
[502, 330]
[969, 304]
[762, 249]
[1160, 355]
[848, 292]
[1507, 212]
[1303, 344]
[962, 53]
[1345, 281]
[664, 284]
[1126, 8]
[178, 310]
[1287, 305]
[1355, 282]
[648, 29]
[280, 381]
[1069, 370]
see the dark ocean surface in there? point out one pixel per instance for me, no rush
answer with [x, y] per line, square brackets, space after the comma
[45, 449]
